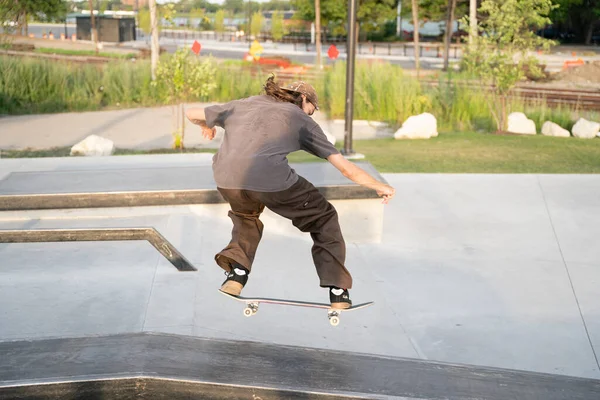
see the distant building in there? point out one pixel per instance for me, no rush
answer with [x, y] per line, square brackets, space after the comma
[110, 28]
[135, 3]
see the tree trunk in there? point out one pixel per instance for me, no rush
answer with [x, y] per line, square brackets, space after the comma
[182, 116]
[318, 33]
[154, 49]
[589, 31]
[26, 24]
[504, 116]
[415, 14]
[472, 23]
[93, 32]
[448, 36]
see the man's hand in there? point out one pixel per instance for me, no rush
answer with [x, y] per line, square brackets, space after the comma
[208, 133]
[385, 191]
[358, 175]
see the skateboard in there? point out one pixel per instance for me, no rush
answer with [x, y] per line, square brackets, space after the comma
[332, 313]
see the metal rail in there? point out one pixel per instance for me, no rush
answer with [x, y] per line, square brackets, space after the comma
[100, 234]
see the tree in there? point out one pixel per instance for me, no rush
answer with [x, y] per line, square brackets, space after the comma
[220, 21]
[235, 6]
[94, 31]
[371, 14]
[415, 14]
[277, 27]
[196, 14]
[582, 16]
[448, 34]
[472, 23]
[7, 16]
[154, 47]
[318, 32]
[184, 77]
[144, 20]
[501, 56]
[44, 10]
[257, 23]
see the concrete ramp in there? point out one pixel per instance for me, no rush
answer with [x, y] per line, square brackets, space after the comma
[177, 367]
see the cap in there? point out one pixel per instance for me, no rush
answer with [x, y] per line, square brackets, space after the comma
[305, 89]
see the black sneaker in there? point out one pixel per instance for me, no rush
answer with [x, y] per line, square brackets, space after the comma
[236, 280]
[339, 298]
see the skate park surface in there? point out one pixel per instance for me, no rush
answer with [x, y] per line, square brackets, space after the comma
[485, 286]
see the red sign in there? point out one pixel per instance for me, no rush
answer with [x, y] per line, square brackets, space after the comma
[196, 47]
[333, 52]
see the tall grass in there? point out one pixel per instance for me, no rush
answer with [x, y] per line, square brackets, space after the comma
[383, 92]
[40, 86]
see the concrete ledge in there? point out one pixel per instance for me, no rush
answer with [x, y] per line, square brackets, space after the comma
[148, 187]
[81, 187]
[103, 234]
[233, 369]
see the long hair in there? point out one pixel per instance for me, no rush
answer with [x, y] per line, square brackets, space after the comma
[275, 91]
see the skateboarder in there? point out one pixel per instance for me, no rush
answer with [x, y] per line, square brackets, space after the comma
[252, 172]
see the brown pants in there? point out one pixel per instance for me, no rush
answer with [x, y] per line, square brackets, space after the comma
[308, 210]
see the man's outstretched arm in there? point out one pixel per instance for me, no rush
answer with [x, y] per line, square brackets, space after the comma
[360, 176]
[196, 116]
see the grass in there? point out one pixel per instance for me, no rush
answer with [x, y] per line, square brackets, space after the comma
[70, 52]
[448, 153]
[483, 153]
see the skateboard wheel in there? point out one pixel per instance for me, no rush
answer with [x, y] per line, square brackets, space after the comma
[248, 312]
[334, 321]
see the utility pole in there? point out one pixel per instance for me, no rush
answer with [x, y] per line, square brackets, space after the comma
[154, 48]
[472, 23]
[318, 33]
[399, 19]
[249, 20]
[351, 55]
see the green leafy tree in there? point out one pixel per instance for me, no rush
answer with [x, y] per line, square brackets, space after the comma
[144, 20]
[277, 26]
[168, 12]
[234, 6]
[371, 14]
[200, 15]
[41, 10]
[196, 14]
[184, 77]
[501, 57]
[583, 16]
[220, 21]
[257, 23]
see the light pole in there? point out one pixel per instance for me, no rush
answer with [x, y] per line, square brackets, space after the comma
[351, 55]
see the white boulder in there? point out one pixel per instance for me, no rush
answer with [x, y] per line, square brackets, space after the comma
[519, 123]
[551, 129]
[422, 126]
[585, 129]
[93, 146]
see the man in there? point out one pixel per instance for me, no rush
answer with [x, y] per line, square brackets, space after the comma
[252, 172]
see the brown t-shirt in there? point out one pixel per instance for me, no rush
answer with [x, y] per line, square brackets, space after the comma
[259, 134]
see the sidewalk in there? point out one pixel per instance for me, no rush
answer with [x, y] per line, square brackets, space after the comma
[137, 128]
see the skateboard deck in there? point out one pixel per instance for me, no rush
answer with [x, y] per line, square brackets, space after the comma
[332, 313]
